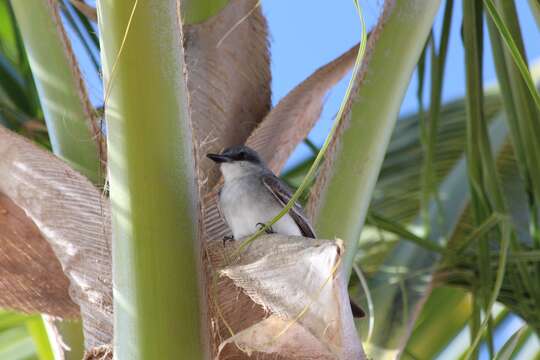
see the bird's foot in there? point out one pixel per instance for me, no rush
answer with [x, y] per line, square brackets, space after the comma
[269, 230]
[227, 238]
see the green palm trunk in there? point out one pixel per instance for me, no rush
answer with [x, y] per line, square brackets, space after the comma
[152, 182]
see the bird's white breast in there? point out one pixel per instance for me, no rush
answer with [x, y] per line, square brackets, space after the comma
[245, 202]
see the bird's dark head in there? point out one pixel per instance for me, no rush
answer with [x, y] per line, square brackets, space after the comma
[235, 154]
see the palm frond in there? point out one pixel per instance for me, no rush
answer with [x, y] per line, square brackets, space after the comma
[73, 217]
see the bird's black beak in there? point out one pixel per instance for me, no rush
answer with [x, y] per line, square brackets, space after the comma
[218, 158]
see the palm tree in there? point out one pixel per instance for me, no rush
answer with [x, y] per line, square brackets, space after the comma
[183, 78]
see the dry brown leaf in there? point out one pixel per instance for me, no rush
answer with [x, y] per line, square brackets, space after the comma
[103, 352]
[32, 280]
[228, 79]
[299, 281]
[73, 217]
[294, 116]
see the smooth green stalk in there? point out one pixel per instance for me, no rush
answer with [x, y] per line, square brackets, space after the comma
[66, 111]
[363, 143]
[318, 159]
[152, 190]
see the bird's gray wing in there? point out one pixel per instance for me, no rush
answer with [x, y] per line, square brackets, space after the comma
[282, 193]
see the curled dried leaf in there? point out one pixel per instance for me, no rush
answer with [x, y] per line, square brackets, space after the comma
[299, 281]
[73, 217]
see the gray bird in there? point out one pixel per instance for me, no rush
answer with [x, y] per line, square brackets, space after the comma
[252, 196]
